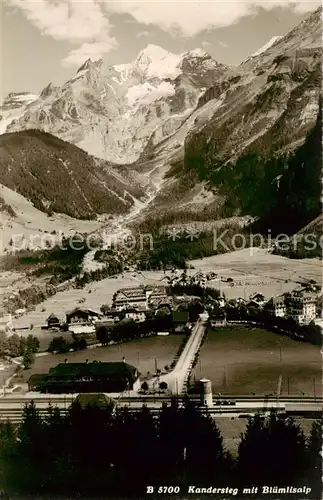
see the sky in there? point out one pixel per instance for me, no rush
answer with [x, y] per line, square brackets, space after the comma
[46, 41]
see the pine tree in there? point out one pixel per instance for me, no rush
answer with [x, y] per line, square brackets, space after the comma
[30, 450]
[314, 458]
[272, 451]
[28, 358]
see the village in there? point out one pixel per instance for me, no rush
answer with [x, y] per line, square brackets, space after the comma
[142, 302]
[173, 307]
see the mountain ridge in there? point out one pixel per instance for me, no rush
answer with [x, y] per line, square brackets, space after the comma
[112, 112]
[192, 138]
[266, 107]
[59, 177]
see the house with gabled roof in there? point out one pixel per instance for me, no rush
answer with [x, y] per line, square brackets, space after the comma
[129, 297]
[258, 298]
[81, 316]
[113, 377]
[53, 321]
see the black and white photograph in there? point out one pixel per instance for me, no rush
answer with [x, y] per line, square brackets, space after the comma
[161, 238]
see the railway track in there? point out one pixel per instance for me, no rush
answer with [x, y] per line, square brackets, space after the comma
[58, 398]
[11, 407]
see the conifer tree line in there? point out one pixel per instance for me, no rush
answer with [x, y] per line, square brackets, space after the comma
[116, 452]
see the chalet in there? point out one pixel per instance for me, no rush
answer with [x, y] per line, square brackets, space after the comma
[129, 297]
[258, 298]
[53, 321]
[114, 377]
[81, 316]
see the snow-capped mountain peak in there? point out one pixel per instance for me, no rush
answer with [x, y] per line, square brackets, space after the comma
[18, 99]
[13, 107]
[116, 112]
[87, 65]
[153, 52]
[267, 45]
[196, 53]
[155, 62]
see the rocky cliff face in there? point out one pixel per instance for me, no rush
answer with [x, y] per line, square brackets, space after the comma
[196, 132]
[252, 114]
[266, 104]
[113, 112]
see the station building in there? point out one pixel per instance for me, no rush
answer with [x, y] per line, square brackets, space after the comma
[96, 377]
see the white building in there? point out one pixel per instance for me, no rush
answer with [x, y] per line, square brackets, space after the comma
[81, 329]
[303, 307]
[138, 315]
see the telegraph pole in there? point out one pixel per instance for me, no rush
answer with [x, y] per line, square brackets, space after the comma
[224, 377]
[279, 385]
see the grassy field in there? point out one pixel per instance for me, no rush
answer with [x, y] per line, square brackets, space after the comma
[141, 353]
[242, 360]
[256, 270]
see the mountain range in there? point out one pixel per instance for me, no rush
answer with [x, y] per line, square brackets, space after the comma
[112, 112]
[175, 133]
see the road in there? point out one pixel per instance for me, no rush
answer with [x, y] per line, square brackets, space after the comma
[176, 379]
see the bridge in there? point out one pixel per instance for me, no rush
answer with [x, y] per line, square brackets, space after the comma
[177, 378]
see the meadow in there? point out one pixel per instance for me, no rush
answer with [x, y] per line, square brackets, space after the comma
[145, 354]
[245, 360]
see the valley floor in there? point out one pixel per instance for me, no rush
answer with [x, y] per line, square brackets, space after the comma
[252, 270]
[145, 354]
[242, 360]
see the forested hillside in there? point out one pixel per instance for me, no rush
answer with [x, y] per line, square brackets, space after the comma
[283, 191]
[59, 177]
